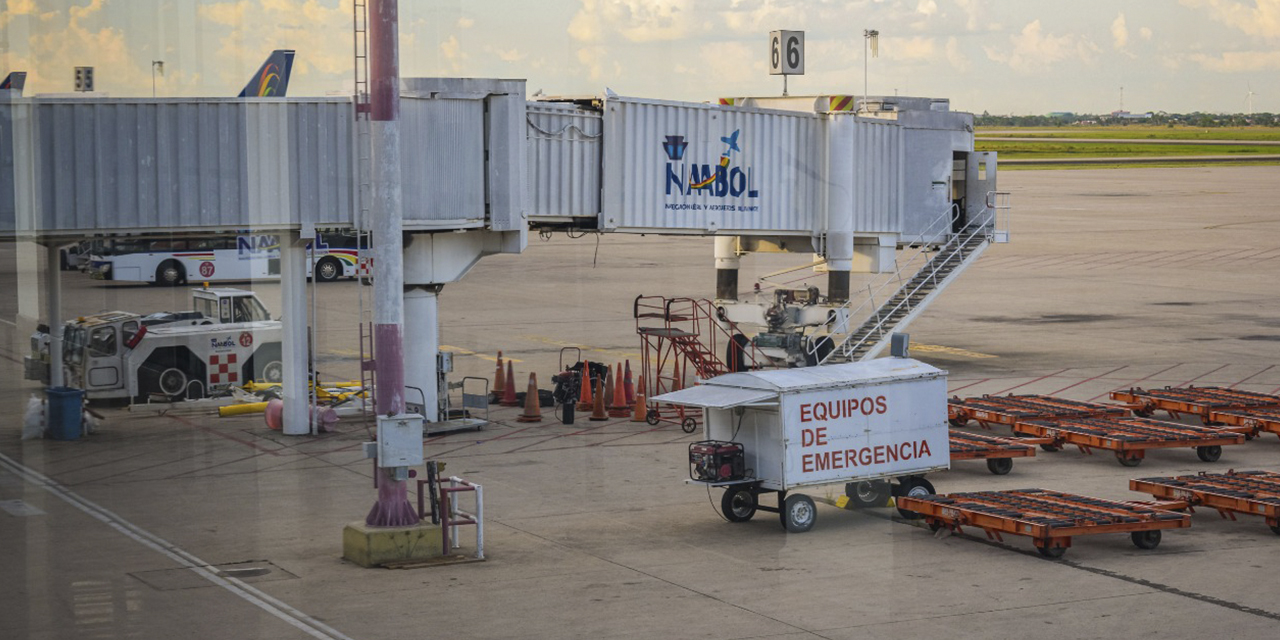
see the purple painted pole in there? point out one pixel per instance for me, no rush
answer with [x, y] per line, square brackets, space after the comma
[392, 508]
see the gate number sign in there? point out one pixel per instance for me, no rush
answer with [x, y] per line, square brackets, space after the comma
[786, 53]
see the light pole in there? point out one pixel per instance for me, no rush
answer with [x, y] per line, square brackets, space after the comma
[157, 66]
[870, 43]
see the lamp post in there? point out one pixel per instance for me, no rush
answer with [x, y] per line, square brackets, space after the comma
[870, 44]
[157, 66]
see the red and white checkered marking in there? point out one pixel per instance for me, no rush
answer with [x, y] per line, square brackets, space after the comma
[364, 266]
[220, 365]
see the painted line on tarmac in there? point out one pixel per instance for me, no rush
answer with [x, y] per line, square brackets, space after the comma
[1030, 382]
[281, 610]
[1130, 384]
[1101, 375]
[1248, 378]
[560, 343]
[952, 351]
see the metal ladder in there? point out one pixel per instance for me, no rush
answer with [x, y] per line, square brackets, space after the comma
[363, 193]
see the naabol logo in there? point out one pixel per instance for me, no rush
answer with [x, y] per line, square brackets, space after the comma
[719, 180]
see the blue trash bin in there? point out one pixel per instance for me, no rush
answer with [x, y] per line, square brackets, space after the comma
[64, 414]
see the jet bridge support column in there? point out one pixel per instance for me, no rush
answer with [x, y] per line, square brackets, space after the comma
[727, 263]
[422, 344]
[53, 274]
[293, 316]
[840, 202]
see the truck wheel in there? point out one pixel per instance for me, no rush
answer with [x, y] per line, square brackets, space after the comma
[738, 504]
[736, 353]
[913, 487]
[170, 273]
[1000, 466]
[865, 494]
[172, 382]
[273, 372]
[798, 513]
[328, 269]
[1209, 454]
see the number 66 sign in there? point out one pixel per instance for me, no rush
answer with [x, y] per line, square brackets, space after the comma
[786, 53]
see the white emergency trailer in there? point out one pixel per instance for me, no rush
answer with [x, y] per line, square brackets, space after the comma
[862, 424]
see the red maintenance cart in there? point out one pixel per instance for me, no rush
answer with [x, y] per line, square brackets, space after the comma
[1250, 422]
[1196, 401]
[1011, 409]
[1251, 492]
[1130, 438]
[1050, 518]
[998, 452]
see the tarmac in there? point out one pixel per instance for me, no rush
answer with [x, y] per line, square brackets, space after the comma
[169, 522]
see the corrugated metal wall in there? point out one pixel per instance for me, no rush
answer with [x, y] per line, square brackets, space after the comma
[781, 158]
[442, 150]
[178, 164]
[564, 149]
[877, 177]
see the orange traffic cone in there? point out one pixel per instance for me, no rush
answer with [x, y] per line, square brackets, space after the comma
[584, 398]
[499, 383]
[597, 409]
[629, 390]
[618, 407]
[532, 408]
[641, 408]
[608, 389]
[509, 394]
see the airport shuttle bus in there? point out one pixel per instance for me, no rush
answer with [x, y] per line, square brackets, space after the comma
[176, 261]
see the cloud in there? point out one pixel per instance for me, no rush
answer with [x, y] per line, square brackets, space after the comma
[451, 52]
[958, 60]
[974, 14]
[730, 63]
[1260, 19]
[758, 17]
[507, 55]
[1119, 33]
[1144, 33]
[466, 23]
[927, 7]
[913, 48]
[1034, 50]
[257, 26]
[634, 20]
[1238, 61]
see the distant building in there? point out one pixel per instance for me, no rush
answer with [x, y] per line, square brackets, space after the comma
[1061, 114]
[1125, 115]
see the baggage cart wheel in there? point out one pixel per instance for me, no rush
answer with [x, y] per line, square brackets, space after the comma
[1000, 466]
[957, 422]
[935, 525]
[738, 504]
[1050, 447]
[798, 513]
[913, 487]
[1128, 460]
[651, 417]
[1143, 413]
[1146, 539]
[1209, 454]
[1275, 529]
[1052, 552]
[689, 425]
[865, 494]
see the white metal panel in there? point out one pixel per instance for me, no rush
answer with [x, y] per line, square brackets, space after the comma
[877, 177]
[715, 396]
[564, 150]
[443, 156]
[829, 376]
[656, 152]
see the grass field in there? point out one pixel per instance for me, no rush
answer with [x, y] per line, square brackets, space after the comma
[1051, 149]
[1113, 144]
[1135, 132]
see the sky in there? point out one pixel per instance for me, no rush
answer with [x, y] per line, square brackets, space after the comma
[999, 56]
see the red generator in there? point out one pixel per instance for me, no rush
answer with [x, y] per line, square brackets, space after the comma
[716, 461]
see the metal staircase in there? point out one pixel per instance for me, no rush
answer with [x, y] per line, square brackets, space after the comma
[910, 297]
[687, 331]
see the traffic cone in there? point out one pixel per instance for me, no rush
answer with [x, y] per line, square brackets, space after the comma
[509, 395]
[532, 408]
[639, 414]
[629, 389]
[608, 389]
[618, 407]
[597, 409]
[499, 383]
[584, 397]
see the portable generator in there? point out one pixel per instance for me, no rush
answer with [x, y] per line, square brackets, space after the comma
[716, 461]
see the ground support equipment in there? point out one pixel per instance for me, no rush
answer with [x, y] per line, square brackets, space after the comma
[1197, 401]
[998, 452]
[1008, 410]
[1050, 518]
[1252, 492]
[1250, 422]
[1129, 438]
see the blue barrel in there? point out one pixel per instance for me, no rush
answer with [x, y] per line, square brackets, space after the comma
[64, 415]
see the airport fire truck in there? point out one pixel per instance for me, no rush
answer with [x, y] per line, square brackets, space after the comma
[228, 339]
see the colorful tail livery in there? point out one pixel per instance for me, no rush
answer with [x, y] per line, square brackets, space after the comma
[272, 79]
[15, 81]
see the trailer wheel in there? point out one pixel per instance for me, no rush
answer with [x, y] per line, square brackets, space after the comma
[913, 487]
[1128, 461]
[935, 525]
[1275, 528]
[798, 513]
[865, 494]
[651, 417]
[738, 504]
[1000, 466]
[1051, 448]
[957, 422]
[689, 425]
[1143, 413]
[1052, 552]
[1146, 539]
[1209, 454]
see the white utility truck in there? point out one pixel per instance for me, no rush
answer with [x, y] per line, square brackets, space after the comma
[228, 339]
[861, 424]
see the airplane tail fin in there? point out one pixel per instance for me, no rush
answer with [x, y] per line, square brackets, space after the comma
[272, 79]
[15, 81]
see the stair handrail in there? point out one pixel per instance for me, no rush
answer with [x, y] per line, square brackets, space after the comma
[981, 224]
[925, 239]
[703, 310]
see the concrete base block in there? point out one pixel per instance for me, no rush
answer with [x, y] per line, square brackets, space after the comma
[375, 546]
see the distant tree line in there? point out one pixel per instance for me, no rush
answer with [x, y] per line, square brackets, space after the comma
[1196, 119]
